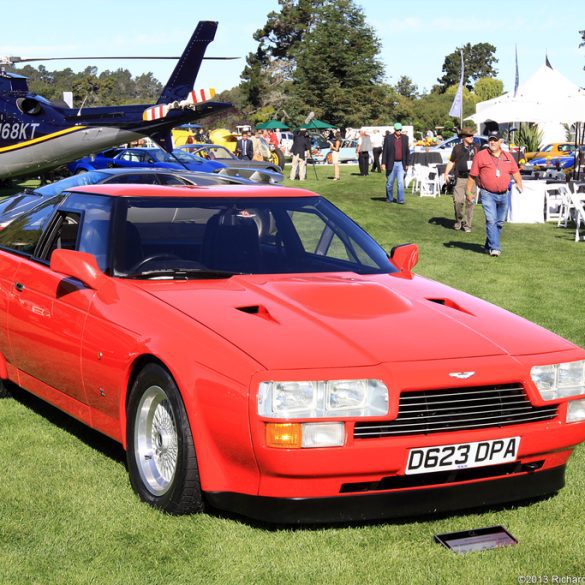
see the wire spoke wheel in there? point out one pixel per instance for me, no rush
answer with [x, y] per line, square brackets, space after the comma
[155, 436]
[162, 463]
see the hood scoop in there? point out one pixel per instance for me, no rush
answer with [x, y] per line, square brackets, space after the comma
[451, 304]
[259, 311]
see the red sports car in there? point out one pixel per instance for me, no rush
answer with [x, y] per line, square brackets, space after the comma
[254, 350]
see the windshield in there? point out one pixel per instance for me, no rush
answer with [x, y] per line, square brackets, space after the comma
[197, 237]
[90, 178]
[183, 156]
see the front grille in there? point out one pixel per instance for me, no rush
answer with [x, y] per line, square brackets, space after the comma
[457, 409]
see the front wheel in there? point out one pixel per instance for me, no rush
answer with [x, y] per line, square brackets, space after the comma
[161, 455]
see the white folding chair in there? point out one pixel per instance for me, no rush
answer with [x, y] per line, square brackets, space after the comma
[567, 210]
[416, 175]
[555, 198]
[578, 202]
[429, 185]
[409, 177]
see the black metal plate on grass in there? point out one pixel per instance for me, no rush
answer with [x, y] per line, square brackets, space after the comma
[476, 540]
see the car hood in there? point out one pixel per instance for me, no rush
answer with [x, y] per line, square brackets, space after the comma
[333, 320]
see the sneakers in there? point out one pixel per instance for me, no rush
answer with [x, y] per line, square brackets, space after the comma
[495, 252]
[467, 229]
[457, 226]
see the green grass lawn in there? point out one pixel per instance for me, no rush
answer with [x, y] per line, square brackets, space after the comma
[69, 516]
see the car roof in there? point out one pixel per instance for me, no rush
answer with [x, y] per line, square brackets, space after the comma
[141, 190]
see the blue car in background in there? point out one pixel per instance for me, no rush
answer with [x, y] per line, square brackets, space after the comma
[144, 157]
[561, 163]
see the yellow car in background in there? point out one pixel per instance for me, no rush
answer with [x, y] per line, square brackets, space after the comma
[553, 150]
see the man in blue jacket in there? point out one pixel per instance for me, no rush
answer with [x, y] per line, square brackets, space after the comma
[395, 157]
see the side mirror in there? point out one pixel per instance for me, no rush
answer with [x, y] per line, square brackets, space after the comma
[79, 265]
[404, 257]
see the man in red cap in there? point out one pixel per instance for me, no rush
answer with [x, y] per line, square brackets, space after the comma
[492, 170]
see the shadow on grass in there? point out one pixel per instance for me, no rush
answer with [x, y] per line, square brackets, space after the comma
[384, 199]
[443, 222]
[93, 439]
[468, 246]
[476, 512]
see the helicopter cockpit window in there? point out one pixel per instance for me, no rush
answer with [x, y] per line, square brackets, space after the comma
[29, 106]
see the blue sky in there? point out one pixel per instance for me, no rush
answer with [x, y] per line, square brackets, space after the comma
[415, 36]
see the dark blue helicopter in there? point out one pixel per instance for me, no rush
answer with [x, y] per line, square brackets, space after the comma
[37, 136]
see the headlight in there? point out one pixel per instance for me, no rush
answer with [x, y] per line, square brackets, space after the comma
[323, 399]
[559, 380]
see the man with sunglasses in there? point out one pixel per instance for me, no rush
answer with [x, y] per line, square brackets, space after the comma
[460, 163]
[395, 158]
[492, 170]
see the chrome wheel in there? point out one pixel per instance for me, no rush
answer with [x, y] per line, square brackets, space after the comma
[162, 462]
[156, 441]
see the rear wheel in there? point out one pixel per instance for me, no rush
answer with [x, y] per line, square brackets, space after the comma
[161, 455]
[4, 393]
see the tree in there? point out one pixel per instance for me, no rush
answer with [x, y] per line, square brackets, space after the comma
[487, 88]
[478, 62]
[317, 55]
[406, 88]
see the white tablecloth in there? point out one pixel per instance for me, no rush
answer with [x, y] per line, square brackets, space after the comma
[528, 206]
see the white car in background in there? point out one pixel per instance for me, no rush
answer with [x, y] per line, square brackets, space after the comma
[286, 141]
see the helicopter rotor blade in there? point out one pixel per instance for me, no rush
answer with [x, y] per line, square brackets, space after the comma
[14, 60]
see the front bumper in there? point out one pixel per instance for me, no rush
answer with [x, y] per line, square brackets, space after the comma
[390, 505]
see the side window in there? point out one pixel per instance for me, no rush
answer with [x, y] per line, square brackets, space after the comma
[24, 233]
[63, 234]
[171, 180]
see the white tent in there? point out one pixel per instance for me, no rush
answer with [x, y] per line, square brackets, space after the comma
[548, 99]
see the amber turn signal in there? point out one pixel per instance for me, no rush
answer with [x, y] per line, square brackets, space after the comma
[284, 435]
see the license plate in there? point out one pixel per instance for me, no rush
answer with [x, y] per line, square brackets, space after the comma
[462, 455]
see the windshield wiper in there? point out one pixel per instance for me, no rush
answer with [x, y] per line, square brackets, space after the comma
[183, 274]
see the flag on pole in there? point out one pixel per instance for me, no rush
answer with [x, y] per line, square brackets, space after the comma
[457, 107]
[517, 79]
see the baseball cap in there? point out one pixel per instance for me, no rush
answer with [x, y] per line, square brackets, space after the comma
[494, 135]
[398, 126]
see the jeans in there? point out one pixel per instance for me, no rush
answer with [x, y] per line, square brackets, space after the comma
[397, 174]
[495, 208]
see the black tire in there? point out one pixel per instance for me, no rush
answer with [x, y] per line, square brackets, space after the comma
[4, 392]
[161, 455]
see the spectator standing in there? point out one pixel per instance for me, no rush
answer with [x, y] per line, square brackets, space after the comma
[244, 147]
[335, 147]
[395, 158]
[258, 146]
[273, 138]
[363, 149]
[377, 142]
[492, 170]
[460, 162]
[300, 146]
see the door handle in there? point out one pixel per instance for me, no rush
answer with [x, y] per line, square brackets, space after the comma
[19, 286]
